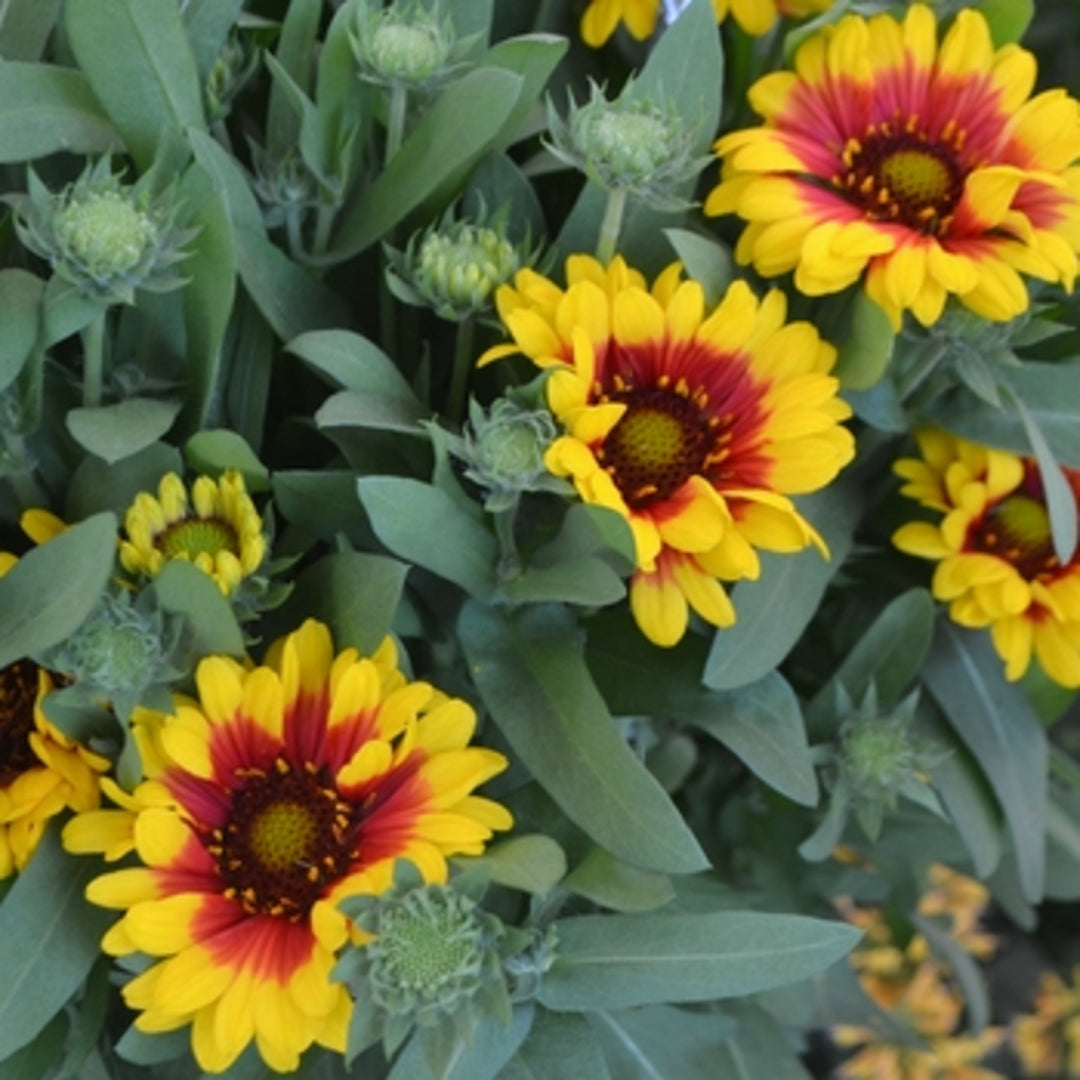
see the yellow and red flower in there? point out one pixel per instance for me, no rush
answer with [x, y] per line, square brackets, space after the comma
[695, 426]
[756, 17]
[42, 771]
[996, 562]
[926, 169]
[282, 790]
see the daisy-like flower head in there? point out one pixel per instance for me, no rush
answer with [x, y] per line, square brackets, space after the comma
[279, 792]
[996, 562]
[42, 771]
[216, 527]
[693, 425]
[927, 170]
[602, 17]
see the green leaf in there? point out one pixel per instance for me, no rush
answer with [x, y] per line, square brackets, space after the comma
[762, 724]
[560, 1046]
[208, 23]
[530, 672]
[114, 432]
[453, 134]
[621, 961]
[295, 55]
[533, 863]
[1008, 19]
[607, 881]
[46, 109]
[213, 452]
[1060, 500]
[424, 525]
[970, 979]
[865, 353]
[21, 295]
[136, 57]
[209, 292]
[1002, 731]
[25, 26]
[492, 1046]
[97, 485]
[48, 593]
[660, 1042]
[773, 611]
[184, 589]
[153, 1048]
[706, 260]
[1051, 393]
[635, 677]
[355, 593]
[321, 502]
[37, 1057]
[757, 1048]
[290, 298]
[49, 939]
[889, 655]
[351, 362]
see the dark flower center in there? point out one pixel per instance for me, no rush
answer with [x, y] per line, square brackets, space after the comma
[288, 836]
[662, 439]
[898, 174]
[1017, 530]
[18, 692]
[195, 536]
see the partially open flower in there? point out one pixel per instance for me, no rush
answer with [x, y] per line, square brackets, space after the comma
[216, 527]
[105, 237]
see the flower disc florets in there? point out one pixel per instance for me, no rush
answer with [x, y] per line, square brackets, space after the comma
[103, 236]
[639, 145]
[406, 44]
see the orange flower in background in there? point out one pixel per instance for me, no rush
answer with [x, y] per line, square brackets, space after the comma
[693, 425]
[924, 170]
[279, 792]
[996, 562]
[602, 17]
[1047, 1041]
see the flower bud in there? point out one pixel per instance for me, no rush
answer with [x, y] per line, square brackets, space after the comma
[639, 145]
[405, 44]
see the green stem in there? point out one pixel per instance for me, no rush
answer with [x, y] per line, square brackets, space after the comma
[610, 227]
[463, 365]
[396, 108]
[509, 557]
[93, 340]
[324, 223]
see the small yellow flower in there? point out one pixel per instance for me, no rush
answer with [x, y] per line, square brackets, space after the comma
[216, 527]
[996, 565]
[1047, 1042]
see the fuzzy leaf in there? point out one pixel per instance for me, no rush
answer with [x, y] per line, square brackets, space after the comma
[21, 295]
[49, 940]
[621, 961]
[1003, 733]
[48, 593]
[136, 57]
[531, 674]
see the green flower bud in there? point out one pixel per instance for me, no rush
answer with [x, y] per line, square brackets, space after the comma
[454, 267]
[406, 44]
[503, 452]
[638, 145]
[234, 66]
[123, 648]
[105, 237]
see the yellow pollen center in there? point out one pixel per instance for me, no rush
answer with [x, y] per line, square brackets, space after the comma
[915, 176]
[196, 536]
[1018, 530]
[661, 440]
[282, 835]
[896, 172]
